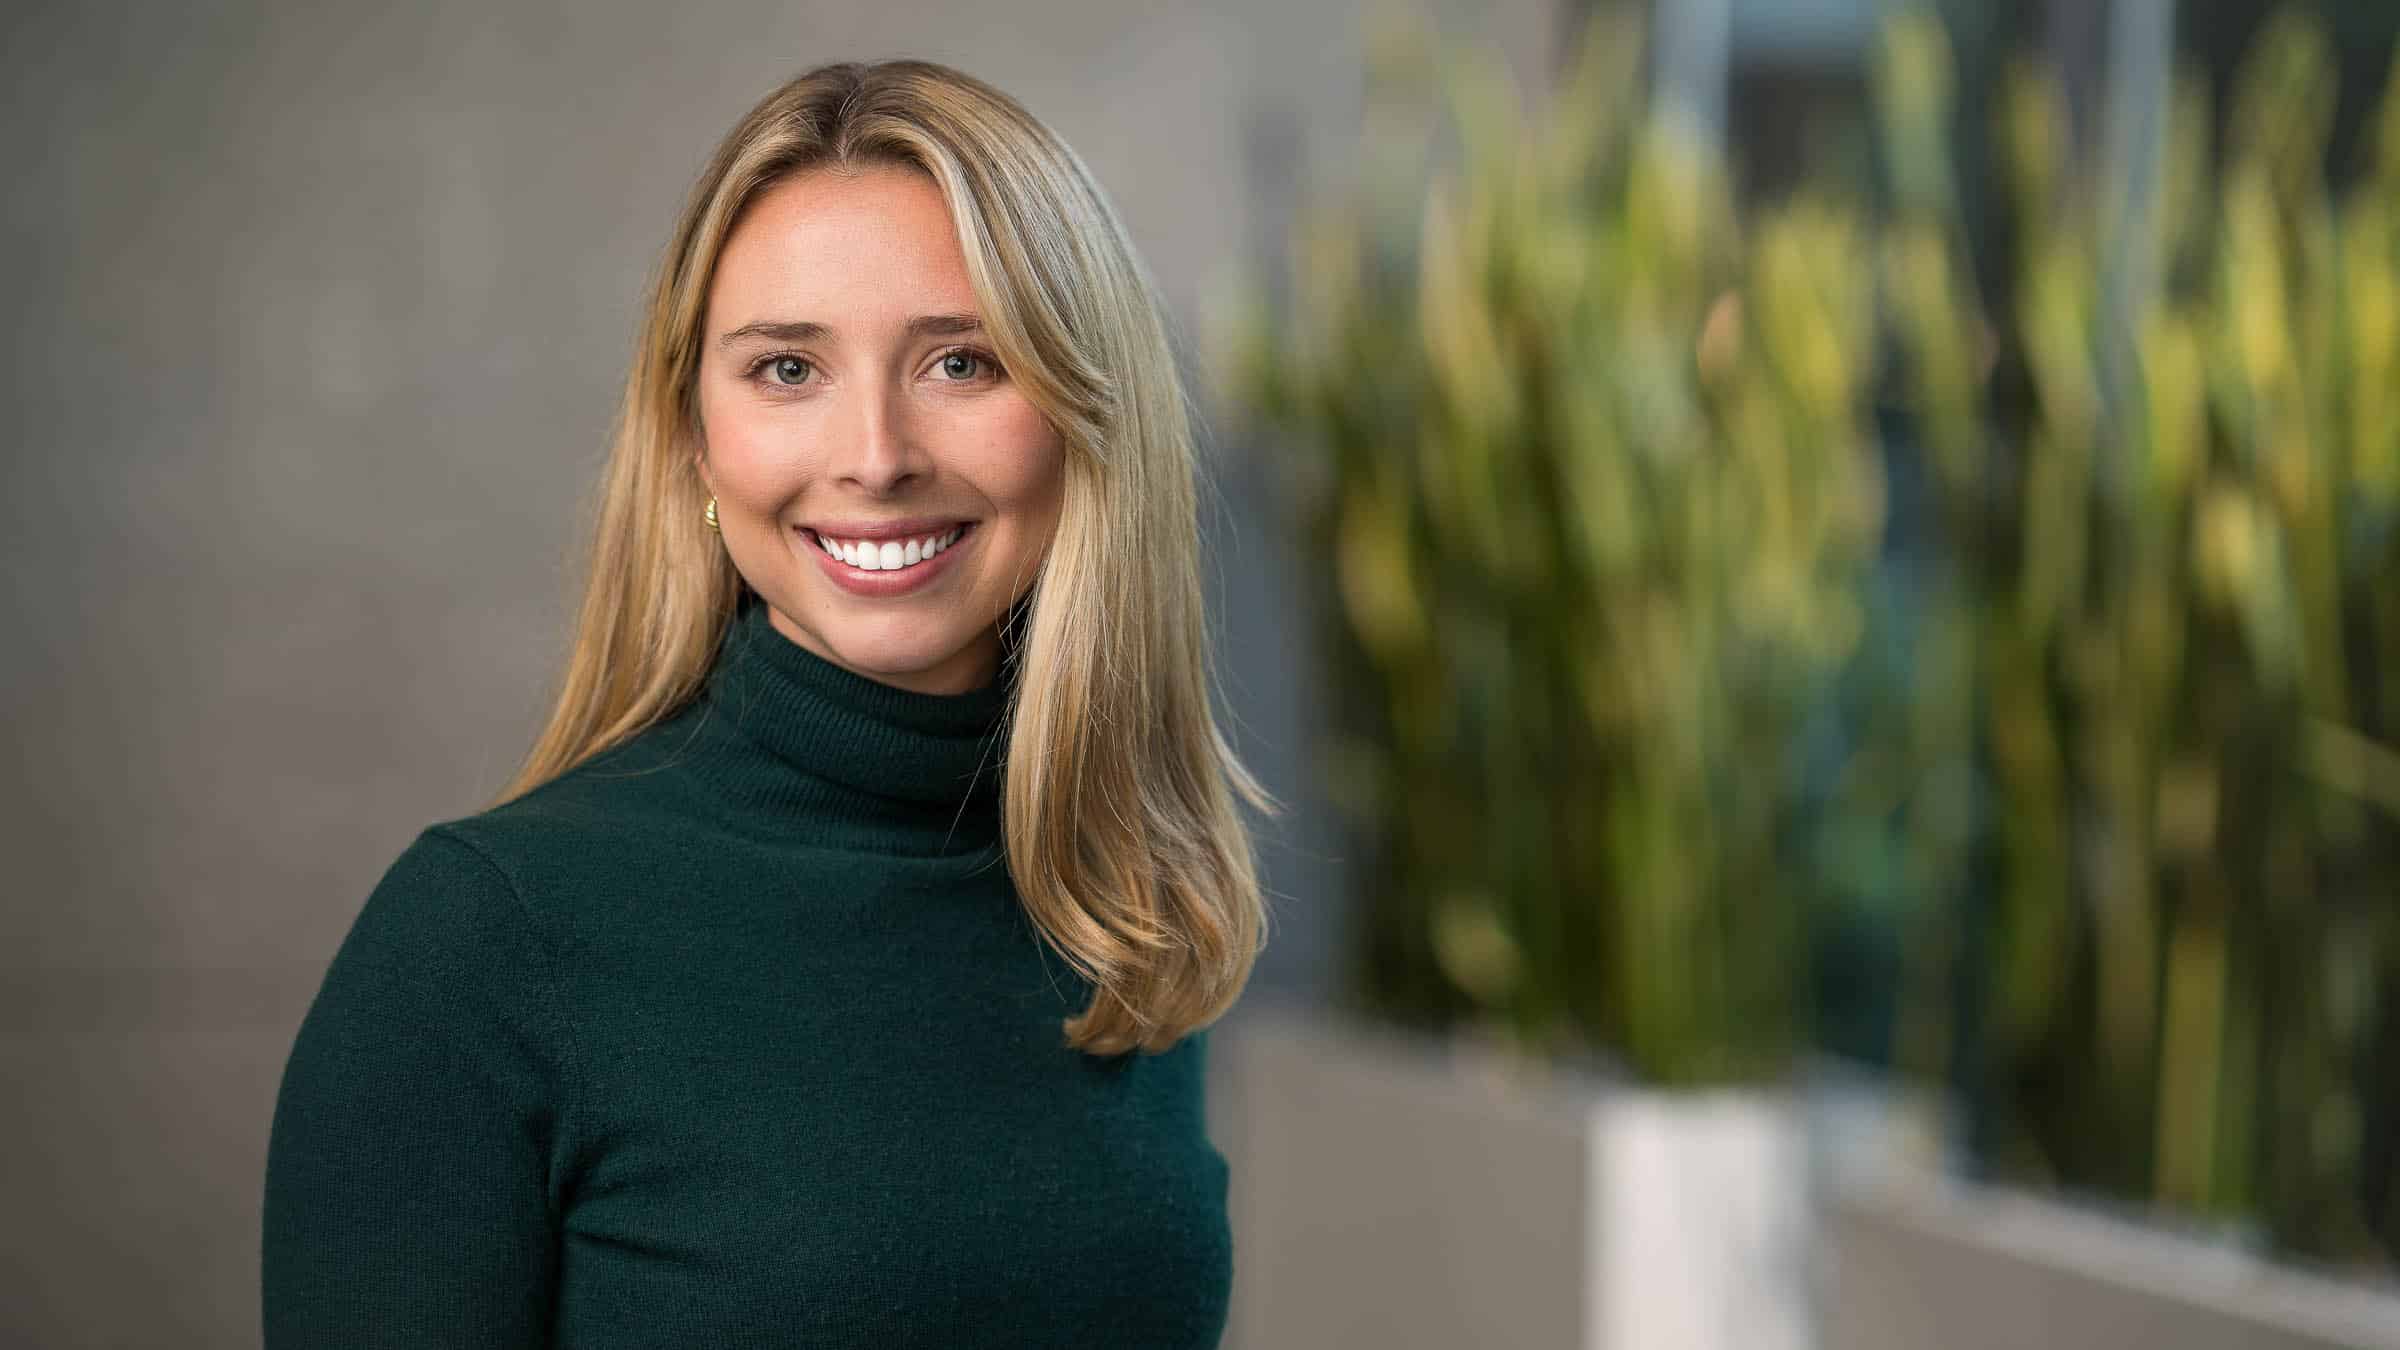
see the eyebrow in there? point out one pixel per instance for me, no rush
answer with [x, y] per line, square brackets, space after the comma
[924, 325]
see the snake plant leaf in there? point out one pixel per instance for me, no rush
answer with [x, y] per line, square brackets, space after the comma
[2371, 291]
[1915, 83]
[1938, 327]
[1597, 102]
[2283, 106]
[1376, 572]
[2034, 132]
[2183, 216]
[1474, 947]
[2175, 375]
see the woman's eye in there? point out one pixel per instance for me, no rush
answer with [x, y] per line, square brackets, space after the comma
[961, 365]
[779, 367]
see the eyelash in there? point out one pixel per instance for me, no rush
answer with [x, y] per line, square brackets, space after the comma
[758, 368]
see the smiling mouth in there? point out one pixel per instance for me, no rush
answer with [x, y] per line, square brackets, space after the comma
[891, 555]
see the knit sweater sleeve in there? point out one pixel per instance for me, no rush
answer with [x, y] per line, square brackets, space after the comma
[411, 1182]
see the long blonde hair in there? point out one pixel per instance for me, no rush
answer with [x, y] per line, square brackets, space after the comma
[1120, 819]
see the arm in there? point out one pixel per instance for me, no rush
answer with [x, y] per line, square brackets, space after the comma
[409, 1185]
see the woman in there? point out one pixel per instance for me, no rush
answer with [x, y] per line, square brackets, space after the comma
[836, 970]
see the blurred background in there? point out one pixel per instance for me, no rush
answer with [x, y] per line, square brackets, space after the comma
[1822, 579]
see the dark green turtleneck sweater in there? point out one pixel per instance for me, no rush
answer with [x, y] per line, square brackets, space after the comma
[734, 1036]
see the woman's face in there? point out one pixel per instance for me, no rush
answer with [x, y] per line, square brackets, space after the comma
[850, 404]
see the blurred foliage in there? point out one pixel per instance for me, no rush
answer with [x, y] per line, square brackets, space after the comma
[1596, 497]
[2168, 476]
[1589, 456]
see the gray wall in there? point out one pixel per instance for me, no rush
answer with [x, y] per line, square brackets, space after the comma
[318, 314]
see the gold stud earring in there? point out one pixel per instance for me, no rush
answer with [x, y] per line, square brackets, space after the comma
[711, 516]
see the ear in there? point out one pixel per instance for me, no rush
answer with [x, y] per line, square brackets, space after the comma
[700, 463]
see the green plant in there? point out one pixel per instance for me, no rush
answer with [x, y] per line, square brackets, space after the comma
[2176, 568]
[1583, 451]
[1590, 476]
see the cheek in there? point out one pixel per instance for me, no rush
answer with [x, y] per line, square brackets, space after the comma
[1026, 467]
[753, 462]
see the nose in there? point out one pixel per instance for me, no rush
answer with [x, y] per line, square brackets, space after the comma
[880, 456]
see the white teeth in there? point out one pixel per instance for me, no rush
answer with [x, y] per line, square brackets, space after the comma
[889, 555]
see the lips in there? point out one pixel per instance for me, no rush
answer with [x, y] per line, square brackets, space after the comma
[887, 561]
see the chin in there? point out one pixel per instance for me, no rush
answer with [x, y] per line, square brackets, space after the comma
[888, 660]
[902, 649]
[898, 656]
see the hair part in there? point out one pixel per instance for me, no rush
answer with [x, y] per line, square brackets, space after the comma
[1120, 805]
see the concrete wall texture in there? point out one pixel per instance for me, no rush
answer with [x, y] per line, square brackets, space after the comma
[317, 315]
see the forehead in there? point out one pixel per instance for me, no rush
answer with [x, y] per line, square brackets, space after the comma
[831, 245]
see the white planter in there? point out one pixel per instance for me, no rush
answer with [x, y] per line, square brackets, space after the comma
[1390, 1194]
[1698, 1207]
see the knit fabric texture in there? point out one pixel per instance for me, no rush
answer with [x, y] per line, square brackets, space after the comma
[735, 1035]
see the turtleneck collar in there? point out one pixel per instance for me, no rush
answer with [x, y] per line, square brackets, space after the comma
[872, 761]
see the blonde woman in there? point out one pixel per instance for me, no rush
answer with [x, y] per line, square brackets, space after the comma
[836, 971]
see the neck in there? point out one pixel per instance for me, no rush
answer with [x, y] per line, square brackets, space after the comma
[875, 765]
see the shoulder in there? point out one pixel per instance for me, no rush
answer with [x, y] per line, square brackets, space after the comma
[598, 805]
[440, 898]
[483, 919]
[503, 899]
[584, 834]
[442, 946]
